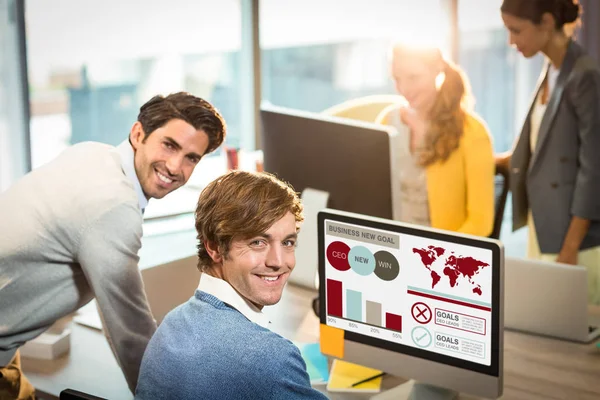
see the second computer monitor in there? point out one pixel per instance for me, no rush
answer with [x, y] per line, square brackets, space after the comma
[351, 160]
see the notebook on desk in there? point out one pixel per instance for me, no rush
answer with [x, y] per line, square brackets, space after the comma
[316, 363]
[548, 299]
[345, 375]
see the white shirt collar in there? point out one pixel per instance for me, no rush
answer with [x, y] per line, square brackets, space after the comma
[126, 153]
[227, 294]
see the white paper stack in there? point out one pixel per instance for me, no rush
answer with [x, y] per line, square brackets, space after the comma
[47, 346]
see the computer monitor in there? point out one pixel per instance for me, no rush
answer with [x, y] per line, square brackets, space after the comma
[333, 162]
[351, 160]
[411, 301]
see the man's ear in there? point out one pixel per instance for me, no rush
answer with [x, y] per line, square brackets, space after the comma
[213, 251]
[136, 135]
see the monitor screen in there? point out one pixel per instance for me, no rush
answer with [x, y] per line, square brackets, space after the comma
[353, 161]
[413, 291]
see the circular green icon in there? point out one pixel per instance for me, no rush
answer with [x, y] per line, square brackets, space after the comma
[361, 260]
[421, 337]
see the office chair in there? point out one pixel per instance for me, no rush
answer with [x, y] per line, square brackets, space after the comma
[364, 108]
[501, 187]
[70, 394]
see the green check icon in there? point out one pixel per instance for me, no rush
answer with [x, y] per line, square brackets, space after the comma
[421, 336]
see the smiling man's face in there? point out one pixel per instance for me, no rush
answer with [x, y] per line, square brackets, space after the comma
[165, 160]
[258, 267]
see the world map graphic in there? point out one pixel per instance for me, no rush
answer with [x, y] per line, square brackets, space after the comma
[455, 268]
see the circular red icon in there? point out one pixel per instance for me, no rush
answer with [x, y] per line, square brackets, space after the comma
[337, 255]
[421, 313]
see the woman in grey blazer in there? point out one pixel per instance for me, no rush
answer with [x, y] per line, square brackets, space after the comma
[555, 164]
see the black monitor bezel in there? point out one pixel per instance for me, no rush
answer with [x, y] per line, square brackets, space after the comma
[494, 368]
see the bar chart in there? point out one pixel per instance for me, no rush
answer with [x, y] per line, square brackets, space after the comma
[359, 309]
[334, 298]
[353, 305]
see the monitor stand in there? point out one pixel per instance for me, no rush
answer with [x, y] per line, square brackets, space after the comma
[412, 390]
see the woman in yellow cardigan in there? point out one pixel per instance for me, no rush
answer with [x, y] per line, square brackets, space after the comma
[447, 162]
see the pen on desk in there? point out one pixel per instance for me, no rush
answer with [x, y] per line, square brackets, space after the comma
[368, 379]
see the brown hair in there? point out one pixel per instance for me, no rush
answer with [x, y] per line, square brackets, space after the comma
[241, 205]
[564, 11]
[195, 111]
[448, 114]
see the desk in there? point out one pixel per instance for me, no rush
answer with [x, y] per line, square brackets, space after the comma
[535, 368]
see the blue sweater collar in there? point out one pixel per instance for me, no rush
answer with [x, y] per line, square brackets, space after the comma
[223, 291]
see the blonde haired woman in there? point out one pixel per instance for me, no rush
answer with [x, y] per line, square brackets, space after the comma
[447, 162]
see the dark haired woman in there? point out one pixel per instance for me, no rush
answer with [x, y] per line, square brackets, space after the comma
[555, 165]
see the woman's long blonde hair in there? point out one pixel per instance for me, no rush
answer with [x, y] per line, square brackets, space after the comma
[448, 114]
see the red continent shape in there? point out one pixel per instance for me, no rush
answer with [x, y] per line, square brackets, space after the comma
[438, 250]
[428, 257]
[435, 278]
[452, 275]
[468, 266]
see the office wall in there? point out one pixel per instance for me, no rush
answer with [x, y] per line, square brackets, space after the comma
[13, 136]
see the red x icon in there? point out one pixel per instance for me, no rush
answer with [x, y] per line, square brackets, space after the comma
[421, 313]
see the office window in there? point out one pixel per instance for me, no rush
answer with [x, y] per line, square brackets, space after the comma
[93, 64]
[13, 138]
[318, 53]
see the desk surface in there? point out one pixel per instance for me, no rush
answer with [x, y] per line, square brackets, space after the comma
[535, 368]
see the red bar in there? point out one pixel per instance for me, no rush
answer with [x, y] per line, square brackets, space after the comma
[334, 298]
[393, 322]
[460, 303]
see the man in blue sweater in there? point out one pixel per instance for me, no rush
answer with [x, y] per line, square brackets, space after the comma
[218, 345]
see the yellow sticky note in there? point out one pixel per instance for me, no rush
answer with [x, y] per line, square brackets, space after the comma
[332, 341]
[344, 374]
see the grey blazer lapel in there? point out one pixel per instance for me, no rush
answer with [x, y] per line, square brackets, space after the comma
[554, 102]
[521, 151]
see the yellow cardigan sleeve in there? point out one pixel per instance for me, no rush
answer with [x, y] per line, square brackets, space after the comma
[479, 173]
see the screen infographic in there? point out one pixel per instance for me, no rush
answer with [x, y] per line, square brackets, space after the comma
[429, 294]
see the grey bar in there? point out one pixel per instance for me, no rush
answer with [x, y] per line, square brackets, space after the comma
[373, 313]
[385, 239]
